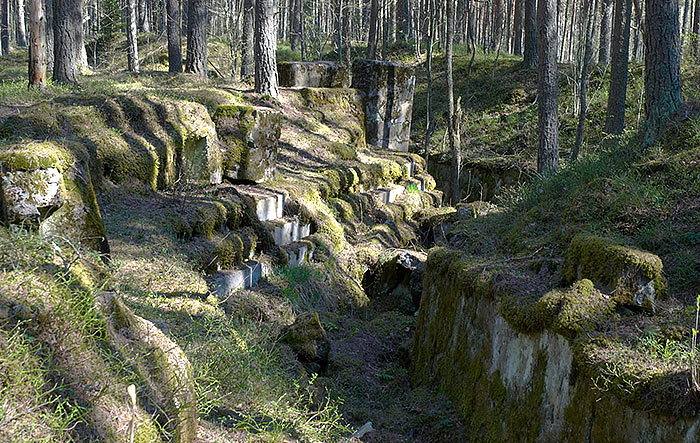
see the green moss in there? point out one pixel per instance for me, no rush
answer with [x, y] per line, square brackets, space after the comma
[617, 267]
[578, 309]
[35, 155]
[343, 150]
[233, 111]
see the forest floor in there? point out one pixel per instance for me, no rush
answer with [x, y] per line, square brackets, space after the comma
[251, 386]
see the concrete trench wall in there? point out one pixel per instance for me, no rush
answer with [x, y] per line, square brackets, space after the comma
[511, 386]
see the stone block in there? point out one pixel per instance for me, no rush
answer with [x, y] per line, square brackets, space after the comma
[47, 186]
[313, 75]
[388, 89]
[249, 137]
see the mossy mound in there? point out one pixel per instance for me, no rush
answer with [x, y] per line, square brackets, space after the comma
[635, 277]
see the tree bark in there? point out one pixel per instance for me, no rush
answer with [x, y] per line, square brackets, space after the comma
[530, 52]
[247, 59]
[37, 46]
[174, 36]
[197, 25]
[48, 12]
[662, 73]
[144, 21]
[372, 38]
[548, 120]
[452, 116]
[5, 27]
[518, 18]
[265, 48]
[295, 22]
[619, 61]
[20, 25]
[605, 32]
[430, 123]
[497, 24]
[132, 53]
[68, 40]
[583, 80]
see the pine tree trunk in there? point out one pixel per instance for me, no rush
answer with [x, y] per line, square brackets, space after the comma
[48, 12]
[132, 53]
[605, 32]
[372, 38]
[452, 126]
[662, 73]
[5, 27]
[518, 18]
[430, 123]
[37, 46]
[497, 24]
[68, 40]
[247, 59]
[143, 16]
[619, 61]
[20, 25]
[197, 25]
[583, 80]
[548, 121]
[174, 37]
[530, 52]
[265, 48]
[295, 22]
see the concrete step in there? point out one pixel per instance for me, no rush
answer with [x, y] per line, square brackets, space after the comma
[410, 167]
[389, 194]
[247, 276]
[269, 205]
[299, 252]
[287, 230]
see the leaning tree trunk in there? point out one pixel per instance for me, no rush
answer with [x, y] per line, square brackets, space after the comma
[265, 48]
[662, 73]
[530, 52]
[452, 126]
[619, 61]
[132, 53]
[372, 38]
[68, 40]
[605, 31]
[37, 44]
[5, 27]
[20, 25]
[548, 121]
[247, 59]
[196, 62]
[174, 36]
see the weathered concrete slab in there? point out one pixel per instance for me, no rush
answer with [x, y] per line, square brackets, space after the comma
[269, 205]
[320, 74]
[288, 230]
[249, 137]
[388, 88]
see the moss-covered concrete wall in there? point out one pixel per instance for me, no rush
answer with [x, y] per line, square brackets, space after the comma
[511, 384]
